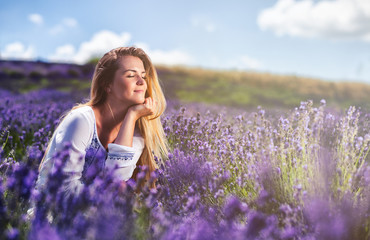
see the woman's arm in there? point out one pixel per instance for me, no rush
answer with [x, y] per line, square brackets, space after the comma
[126, 132]
[122, 156]
[77, 129]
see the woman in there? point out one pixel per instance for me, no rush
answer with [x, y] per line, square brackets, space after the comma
[121, 122]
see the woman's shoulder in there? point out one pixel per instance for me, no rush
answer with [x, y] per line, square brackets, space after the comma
[82, 116]
[82, 112]
[77, 125]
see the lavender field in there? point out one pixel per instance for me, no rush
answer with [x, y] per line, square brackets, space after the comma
[230, 174]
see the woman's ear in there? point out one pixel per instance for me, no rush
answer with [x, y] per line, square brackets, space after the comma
[108, 89]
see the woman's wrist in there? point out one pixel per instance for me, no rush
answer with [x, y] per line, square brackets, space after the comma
[132, 115]
[126, 131]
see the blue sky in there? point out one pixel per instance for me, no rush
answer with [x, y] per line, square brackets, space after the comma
[328, 39]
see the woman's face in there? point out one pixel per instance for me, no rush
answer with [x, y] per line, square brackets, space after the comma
[129, 85]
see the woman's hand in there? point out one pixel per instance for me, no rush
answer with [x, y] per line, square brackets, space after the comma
[145, 109]
[126, 132]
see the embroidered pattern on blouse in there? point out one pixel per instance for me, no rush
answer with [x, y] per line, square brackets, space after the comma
[94, 160]
[122, 156]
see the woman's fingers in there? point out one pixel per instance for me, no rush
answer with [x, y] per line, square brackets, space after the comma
[149, 103]
[145, 109]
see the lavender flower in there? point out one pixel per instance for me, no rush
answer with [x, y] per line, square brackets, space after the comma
[302, 174]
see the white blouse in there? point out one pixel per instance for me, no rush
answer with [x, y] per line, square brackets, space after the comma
[79, 129]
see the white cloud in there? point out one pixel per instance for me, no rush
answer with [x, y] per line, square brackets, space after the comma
[171, 57]
[210, 27]
[36, 18]
[337, 19]
[63, 53]
[17, 50]
[56, 29]
[250, 63]
[70, 22]
[242, 63]
[178, 57]
[100, 43]
[105, 40]
[65, 24]
[203, 22]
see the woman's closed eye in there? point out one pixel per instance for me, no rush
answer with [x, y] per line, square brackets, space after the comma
[134, 75]
[131, 76]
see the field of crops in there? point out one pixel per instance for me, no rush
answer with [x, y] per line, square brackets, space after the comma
[230, 174]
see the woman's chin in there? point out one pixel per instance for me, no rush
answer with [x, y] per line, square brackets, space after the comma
[138, 101]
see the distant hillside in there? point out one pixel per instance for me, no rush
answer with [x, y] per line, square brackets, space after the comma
[250, 89]
[22, 76]
[230, 88]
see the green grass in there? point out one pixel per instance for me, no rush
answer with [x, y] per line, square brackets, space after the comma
[250, 89]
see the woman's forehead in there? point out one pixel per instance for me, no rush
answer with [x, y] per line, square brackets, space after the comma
[131, 62]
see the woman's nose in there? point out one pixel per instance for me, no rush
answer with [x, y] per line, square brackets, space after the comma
[140, 80]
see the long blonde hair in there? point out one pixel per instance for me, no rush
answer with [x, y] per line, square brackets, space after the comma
[150, 127]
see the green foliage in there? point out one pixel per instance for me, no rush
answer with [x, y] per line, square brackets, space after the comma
[73, 73]
[93, 60]
[35, 76]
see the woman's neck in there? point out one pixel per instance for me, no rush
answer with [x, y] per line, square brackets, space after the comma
[112, 113]
[117, 110]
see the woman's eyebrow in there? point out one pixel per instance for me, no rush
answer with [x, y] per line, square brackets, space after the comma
[132, 70]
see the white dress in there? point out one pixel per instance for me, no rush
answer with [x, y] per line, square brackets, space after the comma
[79, 129]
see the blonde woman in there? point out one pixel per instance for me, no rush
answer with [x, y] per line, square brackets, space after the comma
[121, 122]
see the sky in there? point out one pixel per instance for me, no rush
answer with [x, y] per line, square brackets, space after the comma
[327, 39]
